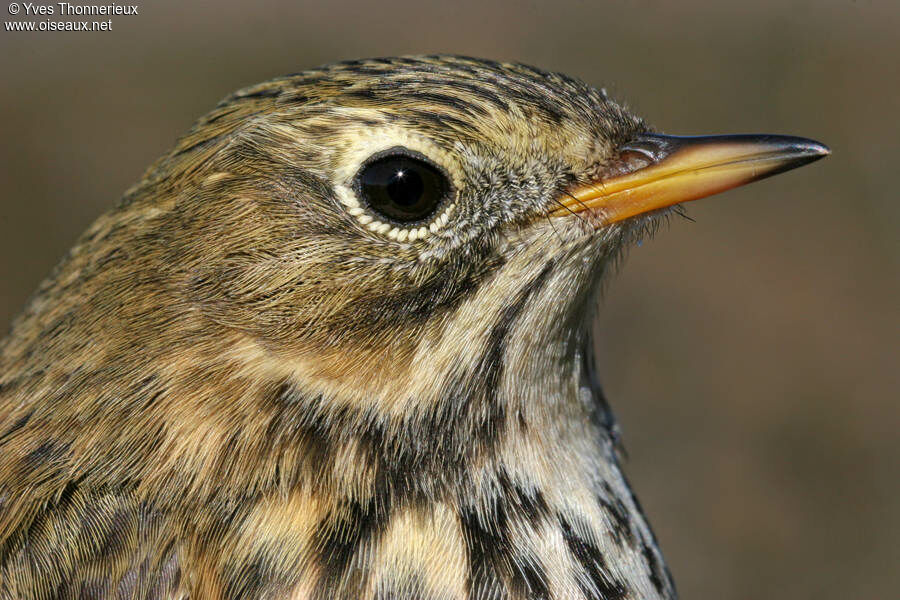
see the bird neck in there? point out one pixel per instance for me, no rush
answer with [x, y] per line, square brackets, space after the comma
[509, 484]
[504, 470]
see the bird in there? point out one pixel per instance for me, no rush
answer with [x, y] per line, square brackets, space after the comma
[337, 344]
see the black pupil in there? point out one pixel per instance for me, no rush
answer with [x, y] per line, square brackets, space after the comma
[402, 188]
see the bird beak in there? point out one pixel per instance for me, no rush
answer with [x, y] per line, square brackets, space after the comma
[655, 171]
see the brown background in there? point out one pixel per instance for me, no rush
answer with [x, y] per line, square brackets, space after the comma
[751, 356]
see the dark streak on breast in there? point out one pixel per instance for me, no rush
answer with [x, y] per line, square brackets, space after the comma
[340, 537]
[616, 511]
[603, 585]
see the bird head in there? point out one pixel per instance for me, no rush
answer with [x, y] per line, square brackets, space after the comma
[371, 223]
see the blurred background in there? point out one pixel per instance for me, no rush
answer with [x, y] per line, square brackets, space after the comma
[751, 356]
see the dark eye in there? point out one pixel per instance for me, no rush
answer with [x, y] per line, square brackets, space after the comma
[402, 188]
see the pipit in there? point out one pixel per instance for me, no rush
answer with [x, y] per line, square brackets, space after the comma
[336, 344]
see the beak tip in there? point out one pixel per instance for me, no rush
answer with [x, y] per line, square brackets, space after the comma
[804, 152]
[810, 149]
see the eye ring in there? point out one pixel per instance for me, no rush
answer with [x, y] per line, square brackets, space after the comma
[404, 189]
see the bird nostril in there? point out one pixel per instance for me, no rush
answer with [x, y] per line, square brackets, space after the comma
[635, 159]
[629, 160]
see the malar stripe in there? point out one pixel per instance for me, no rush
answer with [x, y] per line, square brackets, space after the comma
[491, 364]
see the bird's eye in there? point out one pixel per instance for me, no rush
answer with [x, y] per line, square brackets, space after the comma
[402, 188]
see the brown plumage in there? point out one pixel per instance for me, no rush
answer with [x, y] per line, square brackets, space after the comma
[245, 382]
